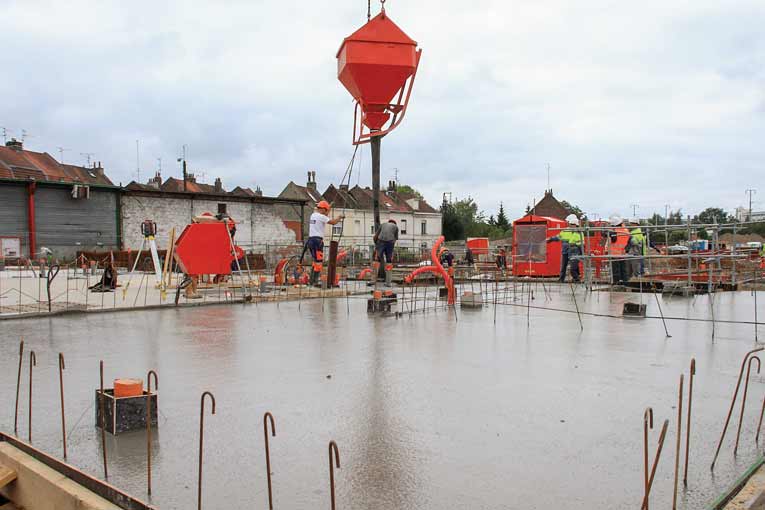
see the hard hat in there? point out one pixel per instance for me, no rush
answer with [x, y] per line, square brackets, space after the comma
[615, 220]
[323, 205]
[634, 221]
[572, 219]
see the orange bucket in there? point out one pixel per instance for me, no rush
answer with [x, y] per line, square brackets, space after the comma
[388, 293]
[128, 388]
[377, 294]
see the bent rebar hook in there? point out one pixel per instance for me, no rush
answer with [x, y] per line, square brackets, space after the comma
[148, 424]
[647, 423]
[201, 438]
[333, 446]
[266, 418]
[732, 404]
[743, 400]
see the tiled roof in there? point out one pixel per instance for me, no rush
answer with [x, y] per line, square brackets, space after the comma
[41, 166]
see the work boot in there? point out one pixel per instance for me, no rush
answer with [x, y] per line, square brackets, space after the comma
[388, 278]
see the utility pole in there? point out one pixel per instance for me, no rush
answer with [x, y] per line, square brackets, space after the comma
[635, 207]
[548, 176]
[750, 192]
[137, 163]
[666, 228]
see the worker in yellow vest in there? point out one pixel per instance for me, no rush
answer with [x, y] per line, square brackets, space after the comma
[571, 247]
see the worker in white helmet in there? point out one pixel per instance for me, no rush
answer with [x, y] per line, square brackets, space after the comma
[572, 246]
[618, 236]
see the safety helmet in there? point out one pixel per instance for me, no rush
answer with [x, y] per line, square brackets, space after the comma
[323, 205]
[615, 220]
[571, 219]
[634, 221]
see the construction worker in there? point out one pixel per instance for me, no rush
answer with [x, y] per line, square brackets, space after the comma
[385, 240]
[502, 260]
[447, 258]
[572, 243]
[315, 243]
[618, 238]
[636, 246]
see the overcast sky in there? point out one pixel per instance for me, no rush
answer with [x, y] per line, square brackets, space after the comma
[649, 103]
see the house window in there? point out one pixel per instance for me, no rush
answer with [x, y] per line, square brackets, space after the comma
[221, 208]
[403, 227]
[424, 228]
[337, 230]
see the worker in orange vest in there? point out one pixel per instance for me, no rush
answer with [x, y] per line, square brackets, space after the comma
[618, 238]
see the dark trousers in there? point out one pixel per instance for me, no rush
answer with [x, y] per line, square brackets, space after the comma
[566, 260]
[619, 274]
[385, 252]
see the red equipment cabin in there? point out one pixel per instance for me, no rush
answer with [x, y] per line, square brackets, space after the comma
[532, 254]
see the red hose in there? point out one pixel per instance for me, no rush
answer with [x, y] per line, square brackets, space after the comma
[436, 268]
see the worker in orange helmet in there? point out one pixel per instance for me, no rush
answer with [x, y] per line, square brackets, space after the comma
[315, 243]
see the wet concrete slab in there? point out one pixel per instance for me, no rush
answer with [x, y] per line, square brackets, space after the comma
[430, 411]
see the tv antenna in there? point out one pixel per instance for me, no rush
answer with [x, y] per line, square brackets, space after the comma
[6, 132]
[159, 164]
[87, 156]
[137, 163]
[61, 151]
[548, 175]
[24, 135]
[635, 207]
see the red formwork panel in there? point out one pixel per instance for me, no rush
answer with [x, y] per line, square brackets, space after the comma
[532, 254]
[204, 248]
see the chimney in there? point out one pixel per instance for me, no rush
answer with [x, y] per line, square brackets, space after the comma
[98, 169]
[191, 178]
[258, 192]
[311, 180]
[391, 186]
[218, 185]
[344, 187]
[15, 144]
[156, 181]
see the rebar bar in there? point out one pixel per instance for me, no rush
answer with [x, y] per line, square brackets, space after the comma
[733, 403]
[102, 398]
[743, 400]
[18, 386]
[662, 435]
[32, 363]
[679, 437]
[266, 418]
[61, 367]
[201, 440]
[149, 376]
[688, 423]
[647, 423]
[333, 446]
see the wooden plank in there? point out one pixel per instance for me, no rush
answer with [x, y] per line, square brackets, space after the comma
[7, 475]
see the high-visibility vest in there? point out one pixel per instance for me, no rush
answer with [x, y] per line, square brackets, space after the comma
[639, 239]
[622, 237]
[572, 238]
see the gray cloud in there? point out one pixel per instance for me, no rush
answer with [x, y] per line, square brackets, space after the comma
[651, 104]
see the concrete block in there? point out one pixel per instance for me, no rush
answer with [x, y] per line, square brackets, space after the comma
[39, 487]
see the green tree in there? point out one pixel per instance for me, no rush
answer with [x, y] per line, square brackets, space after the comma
[711, 215]
[502, 221]
[572, 209]
[451, 224]
[407, 189]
